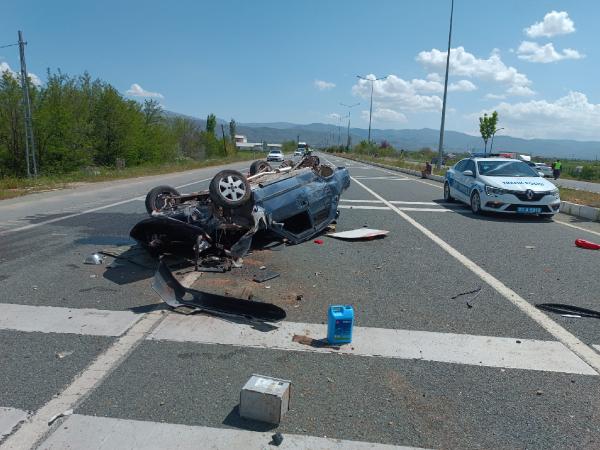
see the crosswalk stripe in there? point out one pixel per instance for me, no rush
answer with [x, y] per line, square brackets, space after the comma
[52, 319]
[504, 352]
[105, 433]
[9, 419]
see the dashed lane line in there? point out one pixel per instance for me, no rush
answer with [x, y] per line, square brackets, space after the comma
[589, 355]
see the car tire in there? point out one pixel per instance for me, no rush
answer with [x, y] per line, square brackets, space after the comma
[230, 189]
[260, 166]
[155, 199]
[475, 203]
[447, 197]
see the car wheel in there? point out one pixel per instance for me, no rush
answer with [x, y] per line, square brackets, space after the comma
[156, 199]
[475, 203]
[260, 166]
[447, 197]
[230, 189]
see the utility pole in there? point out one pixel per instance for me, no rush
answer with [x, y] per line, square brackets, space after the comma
[348, 136]
[441, 144]
[29, 141]
[372, 80]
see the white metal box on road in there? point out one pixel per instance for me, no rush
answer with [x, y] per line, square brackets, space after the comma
[265, 398]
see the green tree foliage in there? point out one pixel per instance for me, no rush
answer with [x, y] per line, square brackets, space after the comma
[288, 147]
[487, 127]
[232, 131]
[211, 124]
[79, 121]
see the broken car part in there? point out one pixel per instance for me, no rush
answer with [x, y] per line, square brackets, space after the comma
[359, 234]
[175, 295]
[292, 203]
[568, 310]
[94, 259]
[587, 244]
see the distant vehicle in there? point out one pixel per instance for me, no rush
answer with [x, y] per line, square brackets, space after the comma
[275, 155]
[542, 167]
[502, 185]
[299, 152]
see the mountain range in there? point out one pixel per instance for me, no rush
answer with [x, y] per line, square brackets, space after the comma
[321, 135]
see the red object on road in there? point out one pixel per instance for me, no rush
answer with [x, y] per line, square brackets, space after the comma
[587, 244]
[319, 241]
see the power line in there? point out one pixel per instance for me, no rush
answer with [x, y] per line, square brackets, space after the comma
[9, 45]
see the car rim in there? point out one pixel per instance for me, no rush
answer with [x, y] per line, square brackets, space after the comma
[475, 203]
[232, 188]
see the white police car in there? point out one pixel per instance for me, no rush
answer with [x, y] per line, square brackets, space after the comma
[502, 185]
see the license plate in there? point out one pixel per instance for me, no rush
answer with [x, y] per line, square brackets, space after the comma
[528, 210]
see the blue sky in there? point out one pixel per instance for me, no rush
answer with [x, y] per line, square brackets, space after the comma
[536, 62]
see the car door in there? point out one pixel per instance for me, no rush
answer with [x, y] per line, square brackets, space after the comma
[458, 180]
[469, 180]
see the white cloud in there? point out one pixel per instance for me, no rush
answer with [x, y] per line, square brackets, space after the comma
[495, 96]
[534, 52]
[385, 115]
[324, 85]
[334, 116]
[465, 64]
[434, 77]
[554, 23]
[137, 91]
[462, 86]
[569, 117]
[398, 94]
[35, 80]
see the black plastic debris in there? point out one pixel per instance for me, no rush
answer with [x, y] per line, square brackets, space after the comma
[276, 439]
[265, 275]
[568, 310]
[177, 296]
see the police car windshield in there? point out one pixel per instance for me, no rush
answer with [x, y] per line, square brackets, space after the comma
[505, 169]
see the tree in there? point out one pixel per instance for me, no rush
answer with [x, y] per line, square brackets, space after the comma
[487, 127]
[232, 127]
[211, 124]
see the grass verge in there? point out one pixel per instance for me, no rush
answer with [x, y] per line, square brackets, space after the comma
[15, 187]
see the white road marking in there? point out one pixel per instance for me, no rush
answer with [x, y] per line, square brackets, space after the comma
[396, 202]
[9, 419]
[576, 227]
[36, 427]
[488, 351]
[105, 433]
[384, 178]
[87, 211]
[597, 347]
[361, 207]
[571, 341]
[51, 319]
[427, 209]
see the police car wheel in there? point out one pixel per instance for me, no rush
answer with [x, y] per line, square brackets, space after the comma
[475, 203]
[447, 197]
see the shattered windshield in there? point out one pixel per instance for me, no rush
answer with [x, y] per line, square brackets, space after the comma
[505, 169]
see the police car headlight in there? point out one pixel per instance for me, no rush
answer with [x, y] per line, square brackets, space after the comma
[491, 190]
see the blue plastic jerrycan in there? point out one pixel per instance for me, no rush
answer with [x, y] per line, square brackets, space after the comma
[340, 320]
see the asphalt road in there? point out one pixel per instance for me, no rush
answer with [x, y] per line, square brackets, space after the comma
[430, 366]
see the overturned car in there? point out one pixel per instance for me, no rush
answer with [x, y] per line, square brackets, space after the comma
[293, 202]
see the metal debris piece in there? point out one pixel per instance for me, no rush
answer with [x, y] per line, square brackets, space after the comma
[176, 296]
[94, 258]
[61, 355]
[568, 310]
[477, 289]
[265, 275]
[54, 418]
[359, 234]
[316, 343]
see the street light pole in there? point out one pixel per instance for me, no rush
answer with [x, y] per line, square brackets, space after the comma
[348, 137]
[494, 134]
[372, 80]
[441, 143]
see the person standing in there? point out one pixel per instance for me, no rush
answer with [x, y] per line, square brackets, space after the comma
[556, 168]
